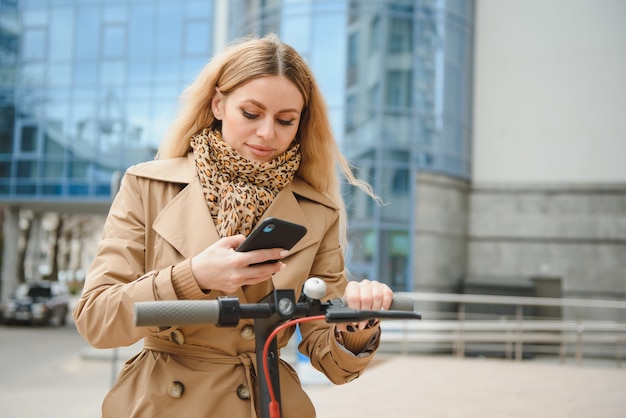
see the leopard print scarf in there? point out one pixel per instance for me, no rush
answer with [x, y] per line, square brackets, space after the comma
[238, 191]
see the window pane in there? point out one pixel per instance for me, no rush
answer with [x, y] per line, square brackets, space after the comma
[59, 75]
[87, 25]
[400, 35]
[114, 38]
[28, 139]
[139, 71]
[395, 246]
[32, 74]
[7, 114]
[34, 44]
[34, 16]
[115, 13]
[191, 68]
[27, 169]
[197, 38]
[169, 29]
[53, 169]
[61, 34]
[198, 8]
[112, 72]
[399, 87]
[141, 30]
[166, 70]
[85, 73]
[78, 169]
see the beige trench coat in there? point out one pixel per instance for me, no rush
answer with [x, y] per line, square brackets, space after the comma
[158, 221]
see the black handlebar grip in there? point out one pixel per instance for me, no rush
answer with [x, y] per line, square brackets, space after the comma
[401, 303]
[176, 312]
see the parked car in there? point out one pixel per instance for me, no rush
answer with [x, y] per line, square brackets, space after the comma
[40, 303]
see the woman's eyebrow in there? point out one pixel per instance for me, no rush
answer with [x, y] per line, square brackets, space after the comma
[262, 106]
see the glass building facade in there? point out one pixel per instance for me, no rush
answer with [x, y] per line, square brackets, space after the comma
[87, 88]
[397, 76]
[92, 86]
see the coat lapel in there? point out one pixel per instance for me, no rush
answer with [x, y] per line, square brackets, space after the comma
[287, 206]
[186, 223]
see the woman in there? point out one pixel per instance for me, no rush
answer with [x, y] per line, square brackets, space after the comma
[252, 141]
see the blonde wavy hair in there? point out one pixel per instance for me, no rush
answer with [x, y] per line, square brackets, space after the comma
[247, 59]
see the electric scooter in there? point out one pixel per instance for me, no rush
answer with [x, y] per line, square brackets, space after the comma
[275, 312]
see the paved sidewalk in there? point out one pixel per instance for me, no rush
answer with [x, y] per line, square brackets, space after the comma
[441, 387]
[394, 387]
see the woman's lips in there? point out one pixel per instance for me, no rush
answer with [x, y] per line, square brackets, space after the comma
[258, 151]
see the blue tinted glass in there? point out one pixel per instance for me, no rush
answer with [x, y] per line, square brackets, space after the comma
[112, 72]
[191, 68]
[85, 72]
[197, 38]
[32, 74]
[141, 30]
[115, 12]
[138, 92]
[198, 8]
[27, 169]
[139, 120]
[87, 33]
[61, 34]
[59, 74]
[52, 168]
[34, 44]
[139, 71]
[34, 16]
[169, 30]
[114, 39]
[328, 62]
[83, 115]
[296, 31]
[166, 70]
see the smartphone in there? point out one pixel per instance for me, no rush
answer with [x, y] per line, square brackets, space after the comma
[273, 233]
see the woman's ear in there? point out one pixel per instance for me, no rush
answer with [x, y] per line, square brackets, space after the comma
[217, 104]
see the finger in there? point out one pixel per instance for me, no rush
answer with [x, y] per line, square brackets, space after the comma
[263, 271]
[387, 298]
[382, 296]
[362, 325]
[366, 295]
[352, 295]
[267, 256]
[233, 241]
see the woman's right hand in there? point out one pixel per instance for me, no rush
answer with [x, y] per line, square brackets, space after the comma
[221, 267]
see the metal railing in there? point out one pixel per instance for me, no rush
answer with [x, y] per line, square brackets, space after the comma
[468, 324]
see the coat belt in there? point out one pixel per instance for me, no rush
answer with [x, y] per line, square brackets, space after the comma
[248, 359]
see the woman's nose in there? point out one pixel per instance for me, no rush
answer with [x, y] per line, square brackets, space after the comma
[266, 128]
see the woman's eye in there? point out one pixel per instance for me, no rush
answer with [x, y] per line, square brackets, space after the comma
[248, 114]
[285, 122]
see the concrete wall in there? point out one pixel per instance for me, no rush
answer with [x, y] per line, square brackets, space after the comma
[548, 194]
[576, 234]
[441, 233]
[550, 91]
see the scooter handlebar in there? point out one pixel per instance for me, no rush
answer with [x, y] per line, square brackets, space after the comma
[177, 312]
[195, 312]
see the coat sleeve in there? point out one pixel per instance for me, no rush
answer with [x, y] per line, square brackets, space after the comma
[319, 342]
[104, 314]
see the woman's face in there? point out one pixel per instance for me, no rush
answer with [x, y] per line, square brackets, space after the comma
[260, 118]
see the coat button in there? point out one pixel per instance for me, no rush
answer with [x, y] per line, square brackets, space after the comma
[175, 389]
[177, 337]
[243, 391]
[247, 332]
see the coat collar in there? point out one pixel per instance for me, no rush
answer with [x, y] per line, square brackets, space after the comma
[185, 221]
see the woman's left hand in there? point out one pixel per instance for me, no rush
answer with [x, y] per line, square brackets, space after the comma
[366, 295]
